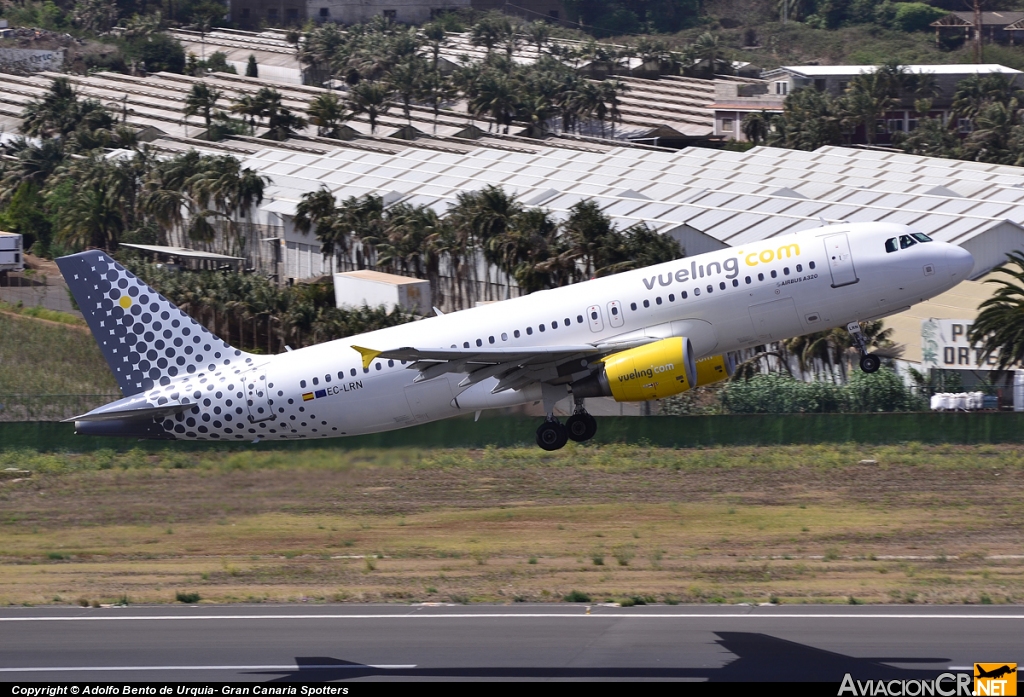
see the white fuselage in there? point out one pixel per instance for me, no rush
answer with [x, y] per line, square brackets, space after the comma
[735, 298]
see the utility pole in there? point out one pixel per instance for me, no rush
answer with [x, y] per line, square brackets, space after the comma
[977, 31]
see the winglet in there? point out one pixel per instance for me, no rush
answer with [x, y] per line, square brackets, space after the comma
[367, 354]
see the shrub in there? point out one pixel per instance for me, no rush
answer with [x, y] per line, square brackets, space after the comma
[575, 596]
[914, 16]
[776, 393]
[187, 598]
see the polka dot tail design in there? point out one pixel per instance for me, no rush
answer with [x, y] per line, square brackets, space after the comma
[186, 381]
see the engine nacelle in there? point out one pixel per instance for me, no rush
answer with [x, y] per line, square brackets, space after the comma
[654, 371]
[715, 368]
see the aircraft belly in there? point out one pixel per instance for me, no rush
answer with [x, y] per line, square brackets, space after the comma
[381, 405]
[430, 399]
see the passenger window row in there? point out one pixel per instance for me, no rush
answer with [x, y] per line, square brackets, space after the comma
[567, 322]
[710, 288]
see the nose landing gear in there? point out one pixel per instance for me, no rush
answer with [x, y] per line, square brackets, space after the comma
[869, 362]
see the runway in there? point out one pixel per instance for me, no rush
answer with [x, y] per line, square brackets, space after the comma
[518, 642]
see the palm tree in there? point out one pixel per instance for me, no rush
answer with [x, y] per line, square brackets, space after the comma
[611, 91]
[436, 89]
[490, 31]
[974, 92]
[539, 33]
[319, 50]
[755, 127]
[587, 231]
[810, 120]
[60, 113]
[91, 219]
[317, 210]
[436, 37]
[708, 50]
[496, 95]
[280, 120]
[995, 127]
[405, 80]
[31, 163]
[535, 110]
[523, 248]
[361, 218]
[999, 327]
[202, 101]
[372, 99]
[327, 113]
[142, 26]
[251, 106]
[476, 218]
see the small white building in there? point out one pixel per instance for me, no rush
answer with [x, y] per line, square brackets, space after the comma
[12, 256]
[373, 288]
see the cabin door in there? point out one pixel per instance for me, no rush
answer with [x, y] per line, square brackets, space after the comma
[840, 261]
[257, 398]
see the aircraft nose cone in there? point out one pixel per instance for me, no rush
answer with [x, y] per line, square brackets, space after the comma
[961, 263]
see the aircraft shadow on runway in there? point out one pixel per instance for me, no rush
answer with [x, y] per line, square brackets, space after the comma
[759, 657]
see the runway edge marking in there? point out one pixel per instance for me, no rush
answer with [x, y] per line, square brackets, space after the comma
[467, 616]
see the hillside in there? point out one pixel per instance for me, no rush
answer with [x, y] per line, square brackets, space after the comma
[46, 368]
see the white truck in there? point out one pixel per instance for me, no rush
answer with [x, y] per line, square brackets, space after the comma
[12, 257]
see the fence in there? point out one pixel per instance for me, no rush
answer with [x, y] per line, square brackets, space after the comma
[36, 290]
[660, 431]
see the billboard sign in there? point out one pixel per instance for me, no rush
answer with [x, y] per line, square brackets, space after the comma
[944, 344]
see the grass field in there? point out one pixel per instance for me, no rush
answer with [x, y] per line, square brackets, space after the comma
[46, 365]
[929, 524]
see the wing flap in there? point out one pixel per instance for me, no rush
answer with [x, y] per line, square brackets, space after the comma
[515, 367]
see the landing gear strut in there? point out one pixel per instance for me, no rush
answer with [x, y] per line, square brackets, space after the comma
[869, 362]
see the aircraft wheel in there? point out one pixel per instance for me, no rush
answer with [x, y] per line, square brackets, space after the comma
[869, 363]
[552, 435]
[581, 427]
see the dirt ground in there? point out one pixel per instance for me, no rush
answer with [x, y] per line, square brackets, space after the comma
[926, 524]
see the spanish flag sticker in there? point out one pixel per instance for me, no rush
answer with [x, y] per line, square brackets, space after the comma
[307, 396]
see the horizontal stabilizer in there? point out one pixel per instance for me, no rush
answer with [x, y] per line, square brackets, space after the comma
[130, 414]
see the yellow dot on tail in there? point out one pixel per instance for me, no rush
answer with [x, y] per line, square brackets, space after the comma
[125, 302]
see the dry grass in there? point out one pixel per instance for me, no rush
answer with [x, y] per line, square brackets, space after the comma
[39, 356]
[798, 524]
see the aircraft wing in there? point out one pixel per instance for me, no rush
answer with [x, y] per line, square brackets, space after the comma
[515, 367]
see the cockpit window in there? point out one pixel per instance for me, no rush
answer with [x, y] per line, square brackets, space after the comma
[906, 241]
[890, 245]
[921, 237]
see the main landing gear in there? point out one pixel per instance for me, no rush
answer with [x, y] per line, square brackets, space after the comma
[579, 427]
[552, 435]
[869, 362]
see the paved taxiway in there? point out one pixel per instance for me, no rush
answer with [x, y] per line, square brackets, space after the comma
[349, 642]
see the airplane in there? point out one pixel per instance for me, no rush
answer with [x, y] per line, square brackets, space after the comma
[639, 335]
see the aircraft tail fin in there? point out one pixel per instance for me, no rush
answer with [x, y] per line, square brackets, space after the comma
[146, 340]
